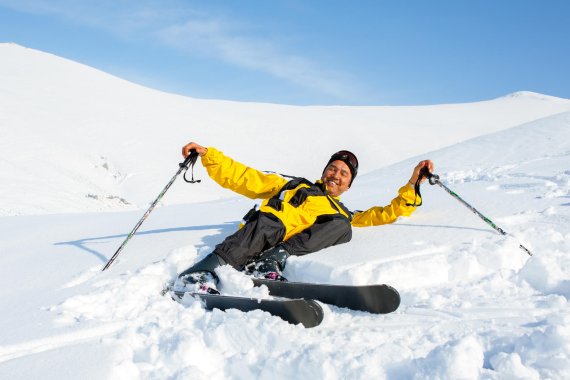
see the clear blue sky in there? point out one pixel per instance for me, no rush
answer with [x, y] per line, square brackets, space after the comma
[310, 52]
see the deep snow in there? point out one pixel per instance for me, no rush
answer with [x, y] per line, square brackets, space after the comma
[473, 304]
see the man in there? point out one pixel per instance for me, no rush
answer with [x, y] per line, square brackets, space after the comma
[297, 216]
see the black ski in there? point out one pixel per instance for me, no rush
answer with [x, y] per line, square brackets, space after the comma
[378, 299]
[307, 312]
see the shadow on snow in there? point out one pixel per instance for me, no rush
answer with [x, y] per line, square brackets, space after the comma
[82, 244]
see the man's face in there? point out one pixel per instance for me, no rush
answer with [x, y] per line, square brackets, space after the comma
[336, 178]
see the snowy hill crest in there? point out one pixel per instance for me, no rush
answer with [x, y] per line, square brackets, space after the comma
[534, 95]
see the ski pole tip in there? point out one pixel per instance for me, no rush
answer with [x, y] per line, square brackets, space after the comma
[525, 249]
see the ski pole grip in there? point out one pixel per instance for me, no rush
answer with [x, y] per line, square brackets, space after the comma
[432, 178]
[190, 160]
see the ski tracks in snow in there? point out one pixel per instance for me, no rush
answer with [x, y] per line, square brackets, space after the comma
[15, 351]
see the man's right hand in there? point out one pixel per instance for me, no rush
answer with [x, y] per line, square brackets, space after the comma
[192, 145]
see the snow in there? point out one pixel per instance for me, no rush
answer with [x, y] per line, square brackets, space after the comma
[82, 155]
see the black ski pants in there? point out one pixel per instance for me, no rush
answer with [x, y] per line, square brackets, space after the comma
[265, 230]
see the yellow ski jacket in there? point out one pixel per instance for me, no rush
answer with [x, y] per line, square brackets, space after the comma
[298, 207]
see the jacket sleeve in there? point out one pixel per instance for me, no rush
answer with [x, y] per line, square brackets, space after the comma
[383, 215]
[242, 179]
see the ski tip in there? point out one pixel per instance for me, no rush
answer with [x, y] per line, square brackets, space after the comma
[396, 300]
[312, 315]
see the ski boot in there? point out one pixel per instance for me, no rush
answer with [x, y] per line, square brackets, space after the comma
[201, 277]
[269, 264]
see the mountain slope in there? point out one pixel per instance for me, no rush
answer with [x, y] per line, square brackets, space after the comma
[89, 141]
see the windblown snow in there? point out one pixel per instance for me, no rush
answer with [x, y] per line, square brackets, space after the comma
[76, 142]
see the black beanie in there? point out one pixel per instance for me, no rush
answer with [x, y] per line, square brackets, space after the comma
[349, 159]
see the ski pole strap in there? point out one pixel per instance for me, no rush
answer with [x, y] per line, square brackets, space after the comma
[424, 172]
[190, 162]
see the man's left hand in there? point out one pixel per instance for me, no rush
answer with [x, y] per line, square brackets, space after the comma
[416, 174]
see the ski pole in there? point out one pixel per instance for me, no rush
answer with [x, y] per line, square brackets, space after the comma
[434, 179]
[183, 166]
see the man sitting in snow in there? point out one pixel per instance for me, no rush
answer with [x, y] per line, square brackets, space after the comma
[297, 216]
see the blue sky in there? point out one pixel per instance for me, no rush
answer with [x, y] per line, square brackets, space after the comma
[310, 52]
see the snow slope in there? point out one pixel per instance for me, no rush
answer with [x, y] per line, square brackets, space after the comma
[473, 304]
[89, 141]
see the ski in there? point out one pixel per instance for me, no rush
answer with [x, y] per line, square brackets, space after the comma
[306, 312]
[378, 299]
